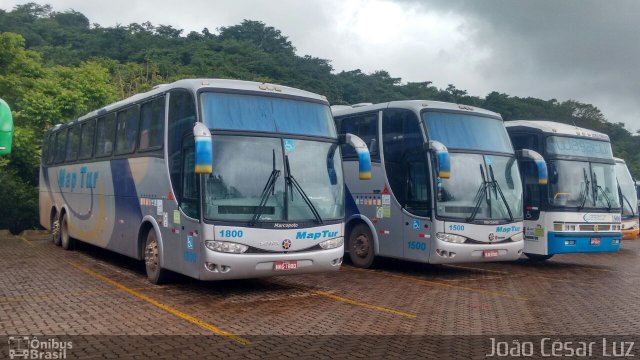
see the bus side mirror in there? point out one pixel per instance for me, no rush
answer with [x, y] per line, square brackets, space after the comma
[6, 128]
[364, 158]
[204, 149]
[541, 165]
[443, 162]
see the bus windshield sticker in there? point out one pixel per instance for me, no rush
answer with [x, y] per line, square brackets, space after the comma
[289, 145]
[488, 159]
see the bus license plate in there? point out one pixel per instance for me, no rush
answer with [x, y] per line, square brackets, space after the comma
[595, 241]
[285, 265]
[491, 253]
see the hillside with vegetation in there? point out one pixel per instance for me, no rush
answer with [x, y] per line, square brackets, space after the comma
[56, 66]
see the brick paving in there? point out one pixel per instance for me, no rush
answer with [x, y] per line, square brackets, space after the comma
[397, 309]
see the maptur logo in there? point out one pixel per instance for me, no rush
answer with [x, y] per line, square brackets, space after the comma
[507, 228]
[316, 235]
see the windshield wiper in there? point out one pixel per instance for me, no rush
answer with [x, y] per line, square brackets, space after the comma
[585, 191]
[480, 195]
[497, 187]
[293, 183]
[597, 188]
[269, 187]
[624, 198]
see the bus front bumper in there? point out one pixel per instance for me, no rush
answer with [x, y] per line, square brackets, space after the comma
[566, 243]
[444, 252]
[630, 229]
[224, 266]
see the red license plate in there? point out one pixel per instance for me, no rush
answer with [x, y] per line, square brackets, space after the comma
[595, 241]
[285, 265]
[490, 253]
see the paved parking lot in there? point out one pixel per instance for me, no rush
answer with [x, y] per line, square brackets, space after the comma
[103, 303]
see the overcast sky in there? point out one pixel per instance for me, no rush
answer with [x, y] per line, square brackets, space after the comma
[587, 50]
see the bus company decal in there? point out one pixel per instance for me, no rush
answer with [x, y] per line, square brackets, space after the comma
[596, 217]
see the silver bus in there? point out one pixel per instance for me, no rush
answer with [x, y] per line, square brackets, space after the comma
[213, 179]
[579, 209]
[446, 186]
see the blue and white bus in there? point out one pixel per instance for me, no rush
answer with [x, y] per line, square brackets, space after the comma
[213, 179]
[446, 186]
[579, 209]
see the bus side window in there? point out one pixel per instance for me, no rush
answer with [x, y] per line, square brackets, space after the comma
[364, 126]
[182, 116]
[73, 143]
[405, 160]
[86, 139]
[531, 188]
[189, 202]
[61, 145]
[105, 130]
[127, 130]
[152, 125]
[525, 141]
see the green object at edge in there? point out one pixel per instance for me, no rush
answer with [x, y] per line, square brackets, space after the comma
[6, 128]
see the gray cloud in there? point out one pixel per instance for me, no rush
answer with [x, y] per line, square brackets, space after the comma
[588, 50]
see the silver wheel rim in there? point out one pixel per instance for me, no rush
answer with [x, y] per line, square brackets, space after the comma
[151, 256]
[361, 246]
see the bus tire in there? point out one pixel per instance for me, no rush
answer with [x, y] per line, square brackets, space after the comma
[361, 248]
[66, 240]
[156, 274]
[538, 257]
[55, 230]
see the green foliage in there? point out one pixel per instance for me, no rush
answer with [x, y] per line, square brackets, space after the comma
[20, 202]
[56, 66]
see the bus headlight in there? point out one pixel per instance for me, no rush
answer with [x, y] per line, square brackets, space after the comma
[225, 247]
[517, 237]
[456, 239]
[332, 243]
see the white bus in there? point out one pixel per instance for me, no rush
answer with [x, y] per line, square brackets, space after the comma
[579, 209]
[628, 200]
[213, 179]
[446, 186]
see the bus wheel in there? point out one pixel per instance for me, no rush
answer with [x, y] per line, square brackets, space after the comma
[55, 230]
[66, 240]
[361, 246]
[155, 273]
[538, 257]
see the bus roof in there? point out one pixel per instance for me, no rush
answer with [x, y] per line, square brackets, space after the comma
[415, 105]
[197, 84]
[556, 128]
[619, 160]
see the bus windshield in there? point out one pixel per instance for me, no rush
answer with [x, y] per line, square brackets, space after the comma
[466, 131]
[250, 171]
[473, 194]
[627, 190]
[222, 111]
[582, 184]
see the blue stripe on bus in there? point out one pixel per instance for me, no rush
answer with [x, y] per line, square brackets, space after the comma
[128, 211]
[350, 204]
[556, 242]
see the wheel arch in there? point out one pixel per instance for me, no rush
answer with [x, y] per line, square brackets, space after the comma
[361, 219]
[149, 224]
